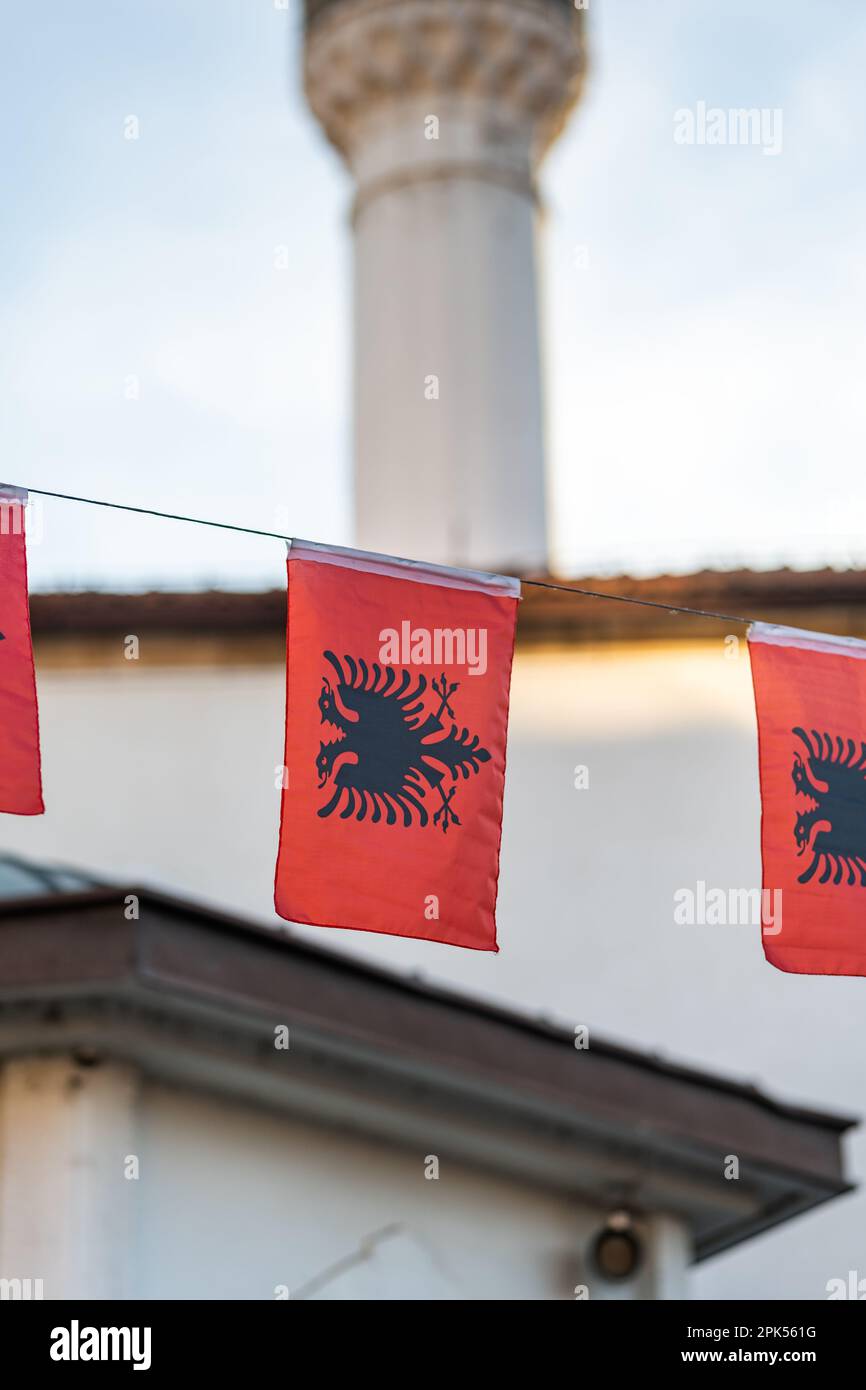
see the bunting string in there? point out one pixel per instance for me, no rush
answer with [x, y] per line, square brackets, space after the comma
[278, 536]
[426, 751]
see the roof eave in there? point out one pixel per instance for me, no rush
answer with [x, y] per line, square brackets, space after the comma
[194, 995]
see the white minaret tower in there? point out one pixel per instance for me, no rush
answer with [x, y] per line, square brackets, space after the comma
[442, 110]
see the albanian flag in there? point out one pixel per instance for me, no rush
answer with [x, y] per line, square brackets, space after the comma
[397, 690]
[20, 771]
[810, 696]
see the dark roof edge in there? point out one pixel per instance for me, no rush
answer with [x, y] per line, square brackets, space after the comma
[280, 940]
[823, 599]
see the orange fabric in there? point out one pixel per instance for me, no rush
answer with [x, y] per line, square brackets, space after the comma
[20, 773]
[811, 710]
[361, 751]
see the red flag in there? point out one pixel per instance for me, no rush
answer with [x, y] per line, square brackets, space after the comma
[810, 696]
[397, 690]
[20, 770]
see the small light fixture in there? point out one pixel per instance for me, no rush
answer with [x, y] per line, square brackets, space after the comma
[86, 1056]
[617, 1251]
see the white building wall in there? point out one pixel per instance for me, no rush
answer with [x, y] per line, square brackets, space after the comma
[67, 1212]
[169, 775]
[114, 1186]
[239, 1203]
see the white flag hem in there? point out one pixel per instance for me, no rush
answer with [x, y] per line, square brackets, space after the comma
[478, 581]
[776, 636]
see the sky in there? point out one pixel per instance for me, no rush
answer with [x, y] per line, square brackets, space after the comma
[177, 311]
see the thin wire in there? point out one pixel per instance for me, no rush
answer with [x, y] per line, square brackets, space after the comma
[149, 511]
[641, 602]
[278, 536]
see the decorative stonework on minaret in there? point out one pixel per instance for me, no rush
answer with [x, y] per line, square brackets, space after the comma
[442, 110]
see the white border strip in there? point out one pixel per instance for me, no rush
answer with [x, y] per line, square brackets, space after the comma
[500, 585]
[775, 636]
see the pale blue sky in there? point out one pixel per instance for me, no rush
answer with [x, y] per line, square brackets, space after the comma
[705, 369]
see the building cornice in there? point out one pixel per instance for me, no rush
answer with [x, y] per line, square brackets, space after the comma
[214, 625]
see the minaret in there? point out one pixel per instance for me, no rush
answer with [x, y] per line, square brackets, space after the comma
[442, 110]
